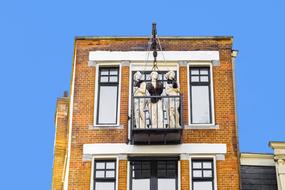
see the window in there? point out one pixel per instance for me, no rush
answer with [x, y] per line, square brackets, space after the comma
[108, 88]
[154, 175]
[200, 95]
[202, 175]
[104, 175]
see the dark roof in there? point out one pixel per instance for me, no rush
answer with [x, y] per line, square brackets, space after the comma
[258, 177]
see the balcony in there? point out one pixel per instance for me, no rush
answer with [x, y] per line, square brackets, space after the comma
[156, 119]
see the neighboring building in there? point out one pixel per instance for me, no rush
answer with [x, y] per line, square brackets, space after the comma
[110, 135]
[264, 171]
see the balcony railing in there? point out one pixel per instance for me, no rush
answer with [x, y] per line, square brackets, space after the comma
[156, 119]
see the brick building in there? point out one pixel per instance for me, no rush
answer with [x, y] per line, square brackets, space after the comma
[130, 124]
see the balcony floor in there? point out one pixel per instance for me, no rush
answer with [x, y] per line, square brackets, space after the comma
[156, 136]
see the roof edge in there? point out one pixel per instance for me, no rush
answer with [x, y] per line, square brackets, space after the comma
[148, 37]
[277, 144]
[257, 155]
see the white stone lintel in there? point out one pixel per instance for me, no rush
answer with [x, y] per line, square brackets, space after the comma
[111, 56]
[125, 149]
[184, 156]
[123, 157]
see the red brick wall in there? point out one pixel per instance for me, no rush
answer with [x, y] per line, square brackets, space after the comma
[184, 172]
[61, 121]
[83, 115]
[122, 179]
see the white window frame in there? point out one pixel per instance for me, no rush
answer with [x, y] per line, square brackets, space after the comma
[97, 95]
[203, 157]
[208, 125]
[104, 158]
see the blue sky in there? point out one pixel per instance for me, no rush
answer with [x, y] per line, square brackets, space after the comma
[36, 51]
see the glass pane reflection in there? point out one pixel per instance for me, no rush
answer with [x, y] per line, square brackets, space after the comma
[108, 104]
[200, 104]
[141, 184]
[104, 185]
[166, 184]
[202, 186]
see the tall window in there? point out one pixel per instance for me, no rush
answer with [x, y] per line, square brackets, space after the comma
[154, 175]
[108, 88]
[200, 95]
[202, 175]
[104, 175]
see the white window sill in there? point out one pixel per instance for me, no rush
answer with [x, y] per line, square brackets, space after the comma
[201, 126]
[96, 127]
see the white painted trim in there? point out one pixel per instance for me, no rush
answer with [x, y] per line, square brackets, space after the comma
[65, 184]
[201, 126]
[257, 159]
[128, 175]
[203, 157]
[179, 175]
[96, 127]
[103, 56]
[104, 158]
[105, 149]
[92, 174]
[130, 100]
[209, 64]
[96, 94]
[278, 147]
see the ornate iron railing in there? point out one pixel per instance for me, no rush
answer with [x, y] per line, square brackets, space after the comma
[156, 112]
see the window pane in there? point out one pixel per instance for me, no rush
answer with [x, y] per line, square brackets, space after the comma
[197, 173]
[200, 104]
[104, 186]
[194, 79]
[104, 72]
[100, 165]
[108, 105]
[207, 173]
[145, 165]
[99, 174]
[148, 77]
[171, 173]
[141, 184]
[110, 174]
[161, 173]
[103, 79]
[194, 71]
[197, 165]
[110, 165]
[204, 79]
[207, 185]
[207, 165]
[204, 72]
[114, 79]
[166, 184]
[171, 165]
[114, 72]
